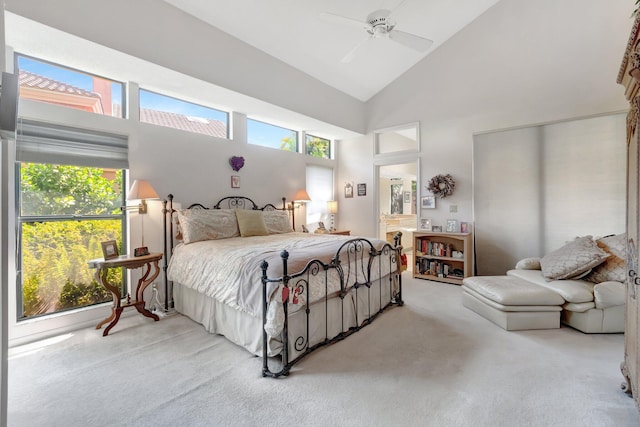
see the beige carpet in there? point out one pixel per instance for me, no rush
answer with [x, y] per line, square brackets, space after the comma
[429, 363]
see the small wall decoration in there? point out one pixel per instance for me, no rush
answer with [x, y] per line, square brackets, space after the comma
[236, 162]
[428, 202]
[362, 189]
[442, 185]
[407, 196]
[348, 190]
[110, 249]
[235, 181]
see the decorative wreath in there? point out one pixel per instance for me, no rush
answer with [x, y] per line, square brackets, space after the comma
[442, 185]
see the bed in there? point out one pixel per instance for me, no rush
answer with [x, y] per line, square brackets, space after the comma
[241, 271]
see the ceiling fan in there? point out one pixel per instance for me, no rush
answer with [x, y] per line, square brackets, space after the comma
[379, 25]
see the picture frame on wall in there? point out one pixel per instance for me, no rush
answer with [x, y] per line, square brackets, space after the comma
[452, 226]
[425, 224]
[348, 190]
[428, 202]
[110, 249]
[362, 189]
[235, 181]
[407, 196]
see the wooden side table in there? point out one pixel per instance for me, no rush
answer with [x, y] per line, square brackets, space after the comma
[127, 261]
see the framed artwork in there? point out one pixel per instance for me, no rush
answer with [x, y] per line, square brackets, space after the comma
[235, 181]
[437, 228]
[110, 249]
[407, 196]
[397, 202]
[348, 190]
[428, 202]
[464, 227]
[452, 226]
[425, 224]
[362, 189]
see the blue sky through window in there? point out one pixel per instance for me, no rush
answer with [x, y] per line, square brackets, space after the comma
[68, 76]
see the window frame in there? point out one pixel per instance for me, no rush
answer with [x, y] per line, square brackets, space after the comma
[330, 149]
[123, 85]
[226, 114]
[294, 132]
[30, 219]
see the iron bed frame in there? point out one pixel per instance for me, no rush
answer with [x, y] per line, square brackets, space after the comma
[353, 262]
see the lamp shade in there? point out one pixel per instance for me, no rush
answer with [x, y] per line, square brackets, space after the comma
[332, 206]
[302, 196]
[141, 190]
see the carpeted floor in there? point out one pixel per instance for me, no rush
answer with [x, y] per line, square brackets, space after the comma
[429, 363]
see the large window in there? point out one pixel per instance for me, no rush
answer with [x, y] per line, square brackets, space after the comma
[318, 147]
[55, 84]
[175, 113]
[69, 186]
[268, 135]
[320, 189]
[65, 213]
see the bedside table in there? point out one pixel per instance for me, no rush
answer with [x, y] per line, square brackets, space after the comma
[127, 261]
[342, 232]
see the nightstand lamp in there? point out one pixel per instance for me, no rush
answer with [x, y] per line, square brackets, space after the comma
[332, 209]
[143, 191]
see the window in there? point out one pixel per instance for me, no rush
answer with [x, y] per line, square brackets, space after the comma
[174, 113]
[69, 192]
[318, 147]
[267, 135]
[320, 189]
[65, 213]
[55, 84]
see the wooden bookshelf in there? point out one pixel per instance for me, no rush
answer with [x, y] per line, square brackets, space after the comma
[442, 257]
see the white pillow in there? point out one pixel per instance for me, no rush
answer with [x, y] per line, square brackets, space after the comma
[207, 224]
[614, 268]
[277, 222]
[572, 259]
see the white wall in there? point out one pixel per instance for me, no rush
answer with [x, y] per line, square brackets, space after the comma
[519, 63]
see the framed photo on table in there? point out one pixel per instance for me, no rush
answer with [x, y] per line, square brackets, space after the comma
[425, 224]
[109, 249]
[452, 226]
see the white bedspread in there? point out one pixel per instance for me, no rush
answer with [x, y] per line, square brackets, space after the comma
[229, 269]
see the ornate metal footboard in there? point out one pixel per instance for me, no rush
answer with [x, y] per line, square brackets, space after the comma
[370, 281]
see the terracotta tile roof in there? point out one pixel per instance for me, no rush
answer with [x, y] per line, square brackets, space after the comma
[177, 121]
[180, 121]
[32, 80]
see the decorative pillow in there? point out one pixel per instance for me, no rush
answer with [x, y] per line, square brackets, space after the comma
[251, 223]
[614, 268]
[572, 259]
[207, 224]
[528, 264]
[277, 222]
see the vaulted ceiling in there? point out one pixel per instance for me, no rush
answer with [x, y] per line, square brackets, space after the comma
[296, 33]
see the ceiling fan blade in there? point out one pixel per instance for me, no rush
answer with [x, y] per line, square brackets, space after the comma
[338, 19]
[412, 41]
[350, 55]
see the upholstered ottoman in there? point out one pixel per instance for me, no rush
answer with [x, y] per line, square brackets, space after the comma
[512, 303]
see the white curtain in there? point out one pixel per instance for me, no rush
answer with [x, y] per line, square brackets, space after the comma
[320, 189]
